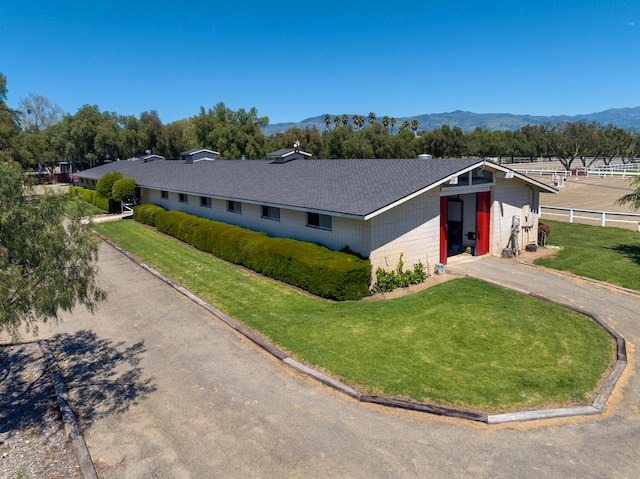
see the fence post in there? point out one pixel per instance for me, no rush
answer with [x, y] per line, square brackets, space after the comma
[604, 220]
[571, 215]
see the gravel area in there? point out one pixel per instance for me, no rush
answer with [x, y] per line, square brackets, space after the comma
[33, 440]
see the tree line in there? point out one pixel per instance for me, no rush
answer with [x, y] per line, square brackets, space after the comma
[38, 134]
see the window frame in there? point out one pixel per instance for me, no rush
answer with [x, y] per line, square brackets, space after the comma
[234, 206]
[183, 198]
[311, 221]
[205, 202]
[270, 212]
[164, 194]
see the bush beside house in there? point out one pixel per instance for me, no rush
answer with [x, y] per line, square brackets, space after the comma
[147, 213]
[314, 268]
[90, 196]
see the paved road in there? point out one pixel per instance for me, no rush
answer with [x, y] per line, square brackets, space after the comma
[164, 390]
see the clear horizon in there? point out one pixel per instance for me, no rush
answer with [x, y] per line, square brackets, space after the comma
[294, 62]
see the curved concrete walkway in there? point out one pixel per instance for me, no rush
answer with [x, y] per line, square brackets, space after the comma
[195, 400]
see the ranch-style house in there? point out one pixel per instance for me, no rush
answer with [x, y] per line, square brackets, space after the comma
[423, 209]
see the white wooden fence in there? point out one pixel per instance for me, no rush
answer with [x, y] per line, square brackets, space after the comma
[604, 217]
[618, 170]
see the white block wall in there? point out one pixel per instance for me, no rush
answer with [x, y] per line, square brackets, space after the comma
[509, 196]
[292, 224]
[412, 228]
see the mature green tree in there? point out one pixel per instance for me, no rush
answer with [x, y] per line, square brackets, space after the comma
[124, 189]
[336, 141]
[234, 134]
[9, 129]
[403, 145]
[176, 137]
[45, 267]
[336, 121]
[151, 130]
[345, 119]
[372, 118]
[392, 122]
[36, 112]
[104, 186]
[568, 141]
[380, 140]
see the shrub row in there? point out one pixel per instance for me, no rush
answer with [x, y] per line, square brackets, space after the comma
[314, 268]
[147, 213]
[90, 196]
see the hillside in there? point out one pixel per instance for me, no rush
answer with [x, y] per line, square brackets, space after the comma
[627, 118]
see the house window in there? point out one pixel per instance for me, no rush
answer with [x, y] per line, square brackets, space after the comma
[164, 195]
[182, 198]
[234, 206]
[271, 212]
[481, 176]
[206, 202]
[316, 220]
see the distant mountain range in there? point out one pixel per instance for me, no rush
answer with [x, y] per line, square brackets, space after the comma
[626, 118]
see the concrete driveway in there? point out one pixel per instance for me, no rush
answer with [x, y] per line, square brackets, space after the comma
[165, 390]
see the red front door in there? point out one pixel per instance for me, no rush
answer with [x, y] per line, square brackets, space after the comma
[443, 230]
[482, 222]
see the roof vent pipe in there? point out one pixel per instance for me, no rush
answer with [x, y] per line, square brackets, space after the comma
[425, 157]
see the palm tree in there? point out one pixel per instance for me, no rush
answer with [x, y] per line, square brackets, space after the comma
[327, 120]
[336, 121]
[372, 118]
[345, 119]
[392, 122]
[414, 126]
[405, 124]
[385, 122]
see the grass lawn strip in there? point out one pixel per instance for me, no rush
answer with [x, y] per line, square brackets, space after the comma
[605, 254]
[462, 343]
[86, 209]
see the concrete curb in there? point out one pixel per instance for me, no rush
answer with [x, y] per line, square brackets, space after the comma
[69, 418]
[606, 389]
[398, 403]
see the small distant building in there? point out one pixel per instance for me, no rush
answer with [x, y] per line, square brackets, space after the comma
[287, 154]
[146, 158]
[197, 154]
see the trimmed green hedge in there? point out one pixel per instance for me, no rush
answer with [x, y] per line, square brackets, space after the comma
[314, 268]
[90, 196]
[147, 213]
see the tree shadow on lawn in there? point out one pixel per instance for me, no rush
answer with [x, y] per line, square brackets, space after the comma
[630, 251]
[103, 378]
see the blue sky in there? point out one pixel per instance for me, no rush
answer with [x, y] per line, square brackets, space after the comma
[294, 60]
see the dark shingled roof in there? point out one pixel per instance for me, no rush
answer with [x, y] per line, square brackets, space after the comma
[349, 187]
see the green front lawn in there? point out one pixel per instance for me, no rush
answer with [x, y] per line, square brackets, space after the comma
[463, 342]
[86, 209]
[606, 254]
